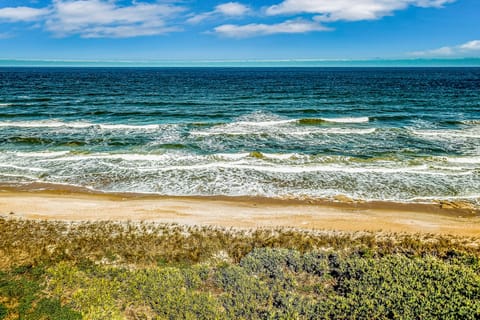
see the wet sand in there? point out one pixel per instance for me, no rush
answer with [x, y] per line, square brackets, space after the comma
[239, 212]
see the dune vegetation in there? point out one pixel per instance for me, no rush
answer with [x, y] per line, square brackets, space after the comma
[113, 270]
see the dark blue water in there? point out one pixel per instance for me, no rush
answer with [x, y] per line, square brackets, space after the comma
[369, 133]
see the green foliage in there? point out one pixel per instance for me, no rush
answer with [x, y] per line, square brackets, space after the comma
[51, 309]
[145, 271]
[105, 292]
[400, 287]
[22, 290]
[3, 311]
[244, 297]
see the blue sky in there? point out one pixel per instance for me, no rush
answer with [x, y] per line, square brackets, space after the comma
[244, 29]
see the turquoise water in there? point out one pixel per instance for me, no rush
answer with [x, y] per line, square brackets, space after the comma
[305, 63]
[403, 134]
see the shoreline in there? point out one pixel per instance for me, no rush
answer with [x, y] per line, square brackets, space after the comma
[447, 207]
[77, 204]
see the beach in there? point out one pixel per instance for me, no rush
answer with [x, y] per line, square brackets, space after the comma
[240, 212]
[310, 148]
[305, 133]
[237, 193]
[289, 159]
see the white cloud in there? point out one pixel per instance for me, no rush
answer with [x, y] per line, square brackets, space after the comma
[100, 18]
[466, 49]
[232, 9]
[349, 10]
[471, 45]
[228, 9]
[323, 11]
[256, 29]
[18, 14]
[130, 18]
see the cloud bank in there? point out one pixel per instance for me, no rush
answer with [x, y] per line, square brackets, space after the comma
[229, 9]
[96, 18]
[349, 10]
[325, 11]
[132, 18]
[22, 14]
[255, 29]
[466, 49]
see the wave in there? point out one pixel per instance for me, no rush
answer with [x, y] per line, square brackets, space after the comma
[303, 121]
[76, 125]
[4, 105]
[262, 123]
[123, 156]
[347, 120]
[266, 160]
[280, 169]
[246, 173]
[12, 166]
[125, 141]
[469, 160]
[267, 119]
[311, 121]
[44, 154]
[21, 176]
[242, 125]
[258, 161]
[460, 122]
[57, 156]
[246, 132]
[319, 121]
[448, 133]
[476, 121]
[299, 169]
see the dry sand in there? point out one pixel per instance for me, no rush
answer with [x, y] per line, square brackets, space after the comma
[239, 212]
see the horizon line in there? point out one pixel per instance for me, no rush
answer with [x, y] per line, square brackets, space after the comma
[390, 62]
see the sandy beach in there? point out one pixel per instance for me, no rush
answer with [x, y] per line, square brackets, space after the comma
[239, 212]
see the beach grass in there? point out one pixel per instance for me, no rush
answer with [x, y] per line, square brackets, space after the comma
[139, 270]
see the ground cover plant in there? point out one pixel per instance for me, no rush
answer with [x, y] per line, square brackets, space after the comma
[108, 270]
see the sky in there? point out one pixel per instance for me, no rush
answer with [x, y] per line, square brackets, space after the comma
[245, 29]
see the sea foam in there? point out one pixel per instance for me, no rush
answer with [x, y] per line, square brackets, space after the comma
[76, 125]
[348, 120]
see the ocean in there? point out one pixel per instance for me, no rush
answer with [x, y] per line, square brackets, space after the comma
[393, 134]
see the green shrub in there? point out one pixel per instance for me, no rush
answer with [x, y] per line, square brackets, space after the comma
[105, 270]
[3, 311]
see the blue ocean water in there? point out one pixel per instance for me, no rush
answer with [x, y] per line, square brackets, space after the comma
[403, 134]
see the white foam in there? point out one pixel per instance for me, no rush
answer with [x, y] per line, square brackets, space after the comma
[45, 154]
[465, 197]
[334, 131]
[232, 156]
[264, 155]
[347, 119]
[45, 124]
[3, 105]
[281, 156]
[155, 157]
[125, 156]
[227, 131]
[471, 121]
[262, 123]
[447, 133]
[267, 121]
[18, 176]
[295, 169]
[76, 125]
[126, 126]
[473, 160]
[22, 168]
